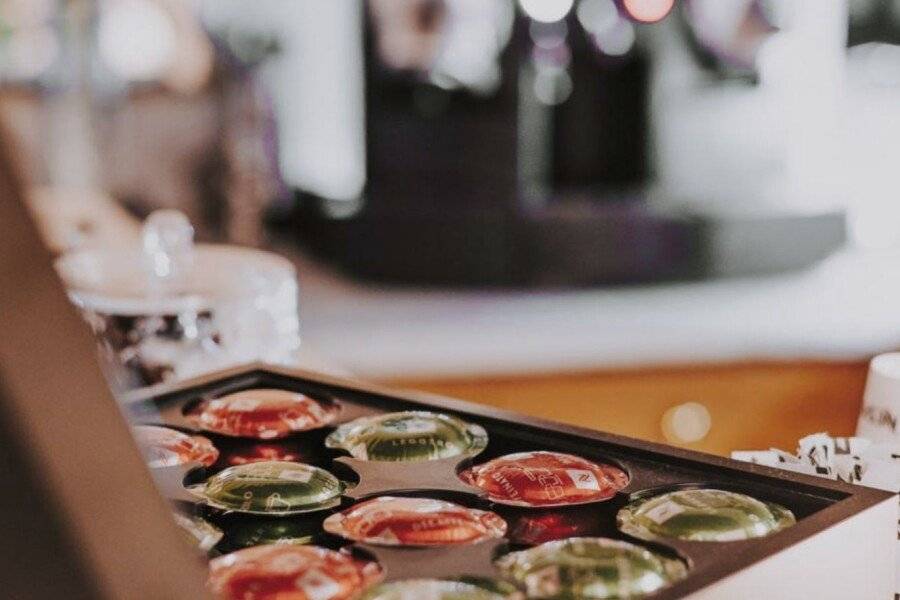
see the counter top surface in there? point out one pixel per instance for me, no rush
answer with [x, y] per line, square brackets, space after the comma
[847, 307]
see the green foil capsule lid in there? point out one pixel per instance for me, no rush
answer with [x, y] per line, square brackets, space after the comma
[434, 589]
[410, 436]
[703, 515]
[271, 488]
[260, 532]
[593, 568]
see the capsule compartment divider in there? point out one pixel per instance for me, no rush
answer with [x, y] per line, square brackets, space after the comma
[652, 468]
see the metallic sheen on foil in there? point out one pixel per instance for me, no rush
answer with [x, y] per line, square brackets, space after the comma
[408, 437]
[546, 479]
[262, 414]
[590, 568]
[703, 515]
[394, 521]
[165, 447]
[271, 488]
[290, 573]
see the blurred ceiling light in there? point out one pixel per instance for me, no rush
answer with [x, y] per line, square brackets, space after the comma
[546, 11]
[617, 41]
[474, 34]
[597, 16]
[648, 11]
[136, 39]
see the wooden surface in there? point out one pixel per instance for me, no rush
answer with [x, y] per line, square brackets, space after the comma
[751, 405]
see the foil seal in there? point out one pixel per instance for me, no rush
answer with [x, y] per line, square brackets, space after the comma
[546, 479]
[532, 527]
[440, 589]
[164, 447]
[409, 436]
[594, 568]
[392, 521]
[263, 531]
[271, 488]
[703, 515]
[290, 573]
[264, 452]
[263, 414]
[198, 531]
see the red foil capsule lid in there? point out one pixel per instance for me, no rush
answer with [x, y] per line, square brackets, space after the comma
[263, 453]
[546, 479]
[262, 414]
[392, 521]
[278, 572]
[536, 527]
[164, 447]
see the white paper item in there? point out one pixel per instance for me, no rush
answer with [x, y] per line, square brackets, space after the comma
[851, 459]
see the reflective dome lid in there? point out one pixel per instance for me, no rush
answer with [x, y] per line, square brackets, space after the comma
[168, 271]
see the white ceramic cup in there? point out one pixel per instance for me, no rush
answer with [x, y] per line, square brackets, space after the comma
[879, 419]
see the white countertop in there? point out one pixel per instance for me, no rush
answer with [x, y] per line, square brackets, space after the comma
[845, 308]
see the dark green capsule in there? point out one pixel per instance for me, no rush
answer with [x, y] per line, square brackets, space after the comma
[592, 568]
[408, 437]
[703, 515]
[435, 589]
[271, 488]
[260, 532]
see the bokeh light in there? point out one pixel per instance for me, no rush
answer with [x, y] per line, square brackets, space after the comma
[647, 11]
[597, 16]
[546, 11]
[136, 40]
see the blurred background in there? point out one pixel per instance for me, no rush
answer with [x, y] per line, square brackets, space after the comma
[672, 219]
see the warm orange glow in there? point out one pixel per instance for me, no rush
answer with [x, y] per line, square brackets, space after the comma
[648, 11]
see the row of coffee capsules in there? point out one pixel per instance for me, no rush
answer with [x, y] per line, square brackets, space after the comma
[574, 568]
[584, 567]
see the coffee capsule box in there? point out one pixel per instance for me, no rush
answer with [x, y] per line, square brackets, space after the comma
[432, 495]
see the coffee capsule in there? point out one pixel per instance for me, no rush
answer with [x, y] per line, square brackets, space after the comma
[164, 447]
[702, 515]
[262, 414]
[263, 452]
[290, 573]
[263, 531]
[393, 521]
[593, 568]
[408, 437]
[545, 479]
[200, 532]
[532, 527]
[271, 488]
[439, 589]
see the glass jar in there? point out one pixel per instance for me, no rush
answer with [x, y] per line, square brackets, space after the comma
[168, 309]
